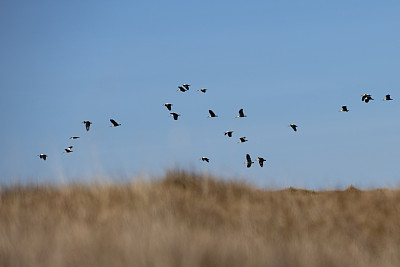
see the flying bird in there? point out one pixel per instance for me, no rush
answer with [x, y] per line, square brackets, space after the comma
[168, 105]
[205, 159]
[366, 98]
[114, 123]
[87, 124]
[294, 127]
[229, 133]
[212, 114]
[175, 115]
[243, 139]
[387, 97]
[202, 90]
[186, 86]
[68, 150]
[74, 137]
[43, 156]
[344, 108]
[241, 114]
[182, 89]
[248, 162]
[261, 161]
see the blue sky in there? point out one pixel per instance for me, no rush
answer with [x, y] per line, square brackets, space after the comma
[283, 62]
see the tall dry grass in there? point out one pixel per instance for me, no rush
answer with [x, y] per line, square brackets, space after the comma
[188, 220]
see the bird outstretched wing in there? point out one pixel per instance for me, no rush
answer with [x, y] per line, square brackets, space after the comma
[248, 158]
[114, 122]
[87, 125]
[174, 115]
[168, 106]
[261, 161]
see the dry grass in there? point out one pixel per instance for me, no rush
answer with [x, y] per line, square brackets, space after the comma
[188, 220]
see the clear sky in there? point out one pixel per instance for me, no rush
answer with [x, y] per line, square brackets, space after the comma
[283, 62]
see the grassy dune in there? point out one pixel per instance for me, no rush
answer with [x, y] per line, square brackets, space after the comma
[188, 220]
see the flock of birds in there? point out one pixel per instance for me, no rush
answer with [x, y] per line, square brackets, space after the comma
[87, 126]
[184, 88]
[366, 98]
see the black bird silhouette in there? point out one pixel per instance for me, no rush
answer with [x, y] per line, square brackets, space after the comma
[229, 133]
[186, 86]
[175, 115]
[261, 161]
[366, 98]
[344, 108]
[241, 114]
[74, 137]
[68, 150]
[205, 159]
[87, 124]
[202, 90]
[243, 139]
[387, 97]
[248, 162]
[114, 123]
[294, 127]
[182, 89]
[212, 114]
[168, 105]
[43, 156]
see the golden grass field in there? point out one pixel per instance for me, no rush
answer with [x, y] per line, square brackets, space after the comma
[185, 219]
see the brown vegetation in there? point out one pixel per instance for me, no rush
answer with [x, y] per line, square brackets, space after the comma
[188, 220]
